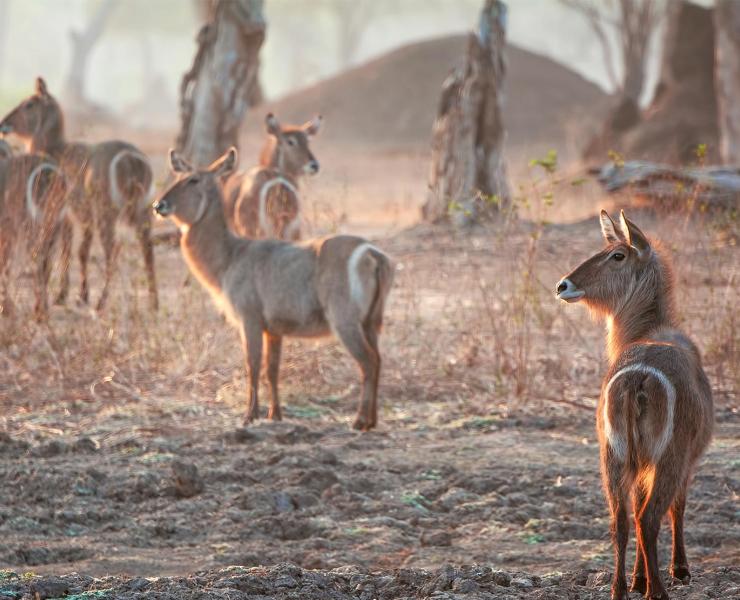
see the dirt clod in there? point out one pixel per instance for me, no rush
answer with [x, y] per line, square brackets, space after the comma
[188, 482]
[48, 587]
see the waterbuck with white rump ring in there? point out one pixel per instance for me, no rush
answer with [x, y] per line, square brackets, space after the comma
[106, 181]
[655, 415]
[270, 289]
[264, 202]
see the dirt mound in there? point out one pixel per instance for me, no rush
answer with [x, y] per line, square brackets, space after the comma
[393, 100]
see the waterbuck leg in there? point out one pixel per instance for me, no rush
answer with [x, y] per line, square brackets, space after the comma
[65, 256]
[107, 231]
[371, 334]
[353, 338]
[616, 498]
[639, 580]
[274, 346]
[43, 272]
[252, 344]
[7, 308]
[679, 564]
[143, 232]
[83, 253]
[648, 523]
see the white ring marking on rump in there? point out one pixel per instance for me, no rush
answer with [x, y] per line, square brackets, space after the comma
[266, 187]
[617, 441]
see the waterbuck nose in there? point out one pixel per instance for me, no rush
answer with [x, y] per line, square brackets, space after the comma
[5, 128]
[313, 166]
[562, 286]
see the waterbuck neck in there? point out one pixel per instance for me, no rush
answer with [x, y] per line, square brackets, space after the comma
[272, 158]
[208, 246]
[49, 138]
[649, 307]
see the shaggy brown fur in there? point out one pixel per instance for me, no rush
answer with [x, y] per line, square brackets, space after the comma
[270, 289]
[655, 415]
[106, 181]
[31, 210]
[264, 202]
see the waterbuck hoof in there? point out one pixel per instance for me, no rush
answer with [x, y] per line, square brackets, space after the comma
[619, 592]
[639, 584]
[275, 415]
[60, 300]
[249, 418]
[659, 596]
[681, 572]
[361, 425]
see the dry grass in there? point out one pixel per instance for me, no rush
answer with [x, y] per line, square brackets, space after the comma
[472, 328]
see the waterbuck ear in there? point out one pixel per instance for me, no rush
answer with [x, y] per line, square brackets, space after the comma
[312, 127]
[273, 125]
[41, 87]
[224, 165]
[178, 164]
[635, 238]
[609, 229]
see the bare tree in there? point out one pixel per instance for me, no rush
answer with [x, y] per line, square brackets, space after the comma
[219, 87]
[727, 78]
[468, 172]
[634, 22]
[83, 42]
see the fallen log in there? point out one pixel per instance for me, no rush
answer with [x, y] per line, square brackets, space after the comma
[673, 187]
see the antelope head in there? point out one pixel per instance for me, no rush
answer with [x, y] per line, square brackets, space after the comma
[606, 281]
[187, 200]
[288, 146]
[35, 114]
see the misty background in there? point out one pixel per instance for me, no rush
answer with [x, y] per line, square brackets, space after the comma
[136, 67]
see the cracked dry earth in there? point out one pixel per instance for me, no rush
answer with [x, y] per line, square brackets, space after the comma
[396, 504]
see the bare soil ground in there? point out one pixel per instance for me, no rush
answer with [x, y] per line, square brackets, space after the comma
[125, 471]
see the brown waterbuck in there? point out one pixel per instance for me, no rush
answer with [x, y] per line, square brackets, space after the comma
[655, 415]
[264, 202]
[32, 191]
[270, 288]
[106, 181]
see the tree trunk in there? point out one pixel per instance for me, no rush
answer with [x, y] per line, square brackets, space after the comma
[220, 86]
[468, 178]
[683, 114]
[82, 45]
[727, 78]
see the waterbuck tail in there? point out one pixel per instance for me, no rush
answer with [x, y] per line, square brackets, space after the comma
[34, 210]
[384, 270]
[137, 184]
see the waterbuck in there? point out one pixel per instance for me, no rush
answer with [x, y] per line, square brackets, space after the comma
[270, 288]
[655, 414]
[32, 190]
[264, 202]
[106, 181]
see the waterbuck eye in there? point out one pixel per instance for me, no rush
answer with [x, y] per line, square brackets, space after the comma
[193, 180]
[618, 256]
[291, 141]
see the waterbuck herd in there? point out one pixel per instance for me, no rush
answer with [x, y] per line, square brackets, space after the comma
[240, 237]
